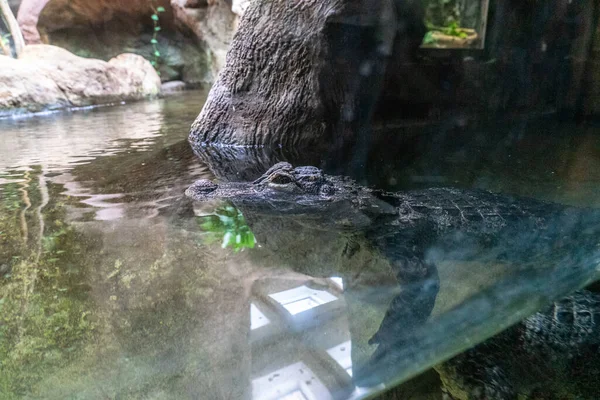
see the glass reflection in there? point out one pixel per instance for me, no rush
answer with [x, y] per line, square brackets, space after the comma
[257, 318]
[302, 298]
[408, 296]
[133, 303]
[294, 382]
[341, 355]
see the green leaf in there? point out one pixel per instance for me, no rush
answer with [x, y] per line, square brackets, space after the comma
[157, 28]
[428, 39]
[153, 41]
[226, 220]
[157, 53]
[227, 238]
[207, 225]
[153, 63]
[160, 9]
[154, 17]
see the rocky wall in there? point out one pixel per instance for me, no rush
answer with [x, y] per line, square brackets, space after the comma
[192, 40]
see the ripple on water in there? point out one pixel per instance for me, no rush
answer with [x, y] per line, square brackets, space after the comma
[64, 144]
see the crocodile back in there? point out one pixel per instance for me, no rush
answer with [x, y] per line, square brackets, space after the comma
[468, 222]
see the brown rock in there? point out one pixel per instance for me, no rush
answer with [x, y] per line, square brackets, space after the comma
[214, 24]
[192, 41]
[307, 74]
[54, 15]
[48, 77]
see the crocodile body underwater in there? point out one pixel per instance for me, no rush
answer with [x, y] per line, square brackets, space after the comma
[415, 230]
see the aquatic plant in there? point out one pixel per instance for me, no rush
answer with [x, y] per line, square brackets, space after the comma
[156, 11]
[44, 316]
[228, 225]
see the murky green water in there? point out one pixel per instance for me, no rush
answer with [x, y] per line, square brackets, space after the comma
[114, 286]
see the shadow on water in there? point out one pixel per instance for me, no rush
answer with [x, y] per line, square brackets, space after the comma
[115, 285]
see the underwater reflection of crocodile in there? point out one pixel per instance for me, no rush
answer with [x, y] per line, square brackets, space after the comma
[415, 231]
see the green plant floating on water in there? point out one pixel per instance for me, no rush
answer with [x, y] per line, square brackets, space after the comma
[228, 225]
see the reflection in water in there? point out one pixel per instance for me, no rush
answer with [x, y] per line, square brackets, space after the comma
[50, 140]
[341, 355]
[302, 299]
[294, 382]
[306, 325]
[44, 309]
[257, 318]
[109, 289]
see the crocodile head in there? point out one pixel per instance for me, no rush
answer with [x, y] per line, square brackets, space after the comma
[291, 191]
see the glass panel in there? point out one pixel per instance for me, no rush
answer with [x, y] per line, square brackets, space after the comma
[375, 196]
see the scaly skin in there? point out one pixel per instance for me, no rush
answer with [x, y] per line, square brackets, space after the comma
[551, 355]
[415, 229]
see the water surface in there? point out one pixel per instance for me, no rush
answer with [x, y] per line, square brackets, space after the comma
[114, 286]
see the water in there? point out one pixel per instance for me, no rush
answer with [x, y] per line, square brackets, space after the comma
[114, 286]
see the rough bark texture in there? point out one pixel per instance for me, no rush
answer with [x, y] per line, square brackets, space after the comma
[267, 92]
[302, 73]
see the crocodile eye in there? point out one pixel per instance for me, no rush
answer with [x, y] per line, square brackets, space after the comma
[327, 190]
[281, 180]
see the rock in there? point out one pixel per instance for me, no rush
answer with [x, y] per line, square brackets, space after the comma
[172, 87]
[192, 41]
[212, 21]
[181, 58]
[307, 75]
[48, 78]
[238, 7]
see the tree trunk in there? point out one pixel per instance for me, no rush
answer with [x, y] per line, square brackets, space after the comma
[13, 27]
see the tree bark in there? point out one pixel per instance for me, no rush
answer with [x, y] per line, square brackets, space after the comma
[13, 27]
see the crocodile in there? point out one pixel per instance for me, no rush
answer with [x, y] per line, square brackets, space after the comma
[415, 230]
[552, 354]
